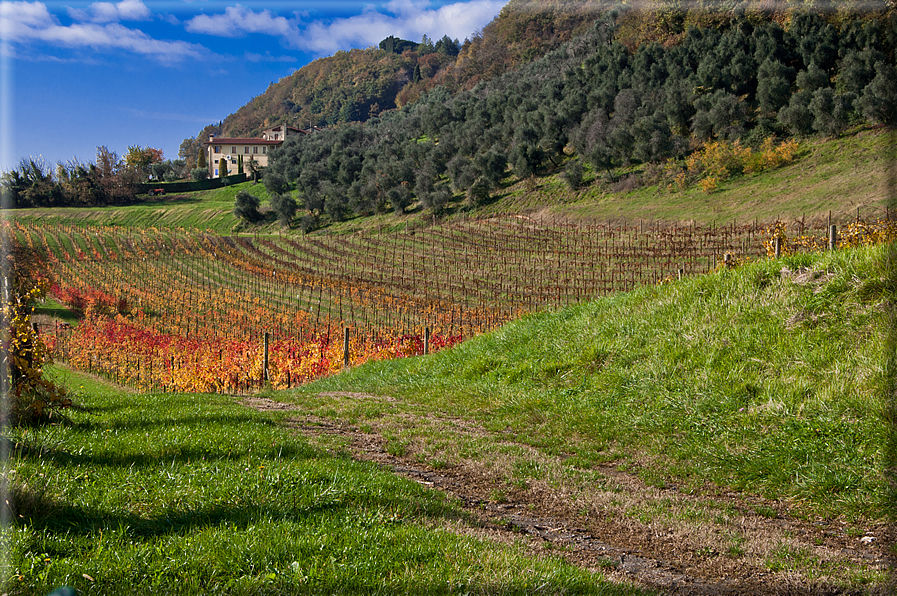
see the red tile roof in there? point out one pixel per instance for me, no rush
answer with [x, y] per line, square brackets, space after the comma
[256, 141]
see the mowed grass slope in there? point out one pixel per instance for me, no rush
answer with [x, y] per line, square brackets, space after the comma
[196, 494]
[767, 379]
[211, 210]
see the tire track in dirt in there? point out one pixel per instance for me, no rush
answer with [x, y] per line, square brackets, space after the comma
[550, 520]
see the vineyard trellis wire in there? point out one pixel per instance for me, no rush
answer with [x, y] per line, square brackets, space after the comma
[186, 309]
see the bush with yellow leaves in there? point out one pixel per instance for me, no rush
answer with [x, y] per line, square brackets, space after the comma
[33, 398]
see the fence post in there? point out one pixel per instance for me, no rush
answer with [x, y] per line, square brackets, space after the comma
[346, 347]
[265, 376]
[426, 341]
[680, 273]
[832, 237]
[778, 247]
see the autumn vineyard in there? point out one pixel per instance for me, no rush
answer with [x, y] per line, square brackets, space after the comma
[186, 310]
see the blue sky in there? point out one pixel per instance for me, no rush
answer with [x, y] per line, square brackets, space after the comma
[76, 75]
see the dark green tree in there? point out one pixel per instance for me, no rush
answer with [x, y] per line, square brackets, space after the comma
[573, 174]
[246, 206]
[812, 78]
[479, 192]
[796, 116]
[773, 85]
[285, 207]
[448, 46]
[830, 111]
[879, 100]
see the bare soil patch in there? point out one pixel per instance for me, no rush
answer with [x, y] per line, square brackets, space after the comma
[711, 541]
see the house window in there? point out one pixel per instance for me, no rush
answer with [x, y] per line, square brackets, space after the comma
[245, 149]
[217, 148]
[216, 171]
[233, 149]
[255, 149]
[263, 150]
[276, 136]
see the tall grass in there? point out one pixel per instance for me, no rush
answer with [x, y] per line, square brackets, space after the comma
[764, 379]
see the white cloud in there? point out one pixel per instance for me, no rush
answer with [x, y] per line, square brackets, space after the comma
[31, 21]
[408, 19]
[16, 18]
[106, 12]
[238, 21]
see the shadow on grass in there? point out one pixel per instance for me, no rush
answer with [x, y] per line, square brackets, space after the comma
[165, 422]
[63, 313]
[163, 457]
[40, 512]
[167, 202]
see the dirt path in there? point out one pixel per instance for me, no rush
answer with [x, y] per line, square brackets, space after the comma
[709, 543]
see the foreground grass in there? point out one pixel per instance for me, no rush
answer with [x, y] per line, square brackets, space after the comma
[754, 379]
[195, 494]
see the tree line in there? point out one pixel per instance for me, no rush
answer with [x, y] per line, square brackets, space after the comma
[109, 180]
[597, 101]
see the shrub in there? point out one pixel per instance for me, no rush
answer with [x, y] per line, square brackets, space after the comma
[308, 223]
[479, 192]
[573, 174]
[246, 206]
[285, 208]
[197, 174]
[33, 398]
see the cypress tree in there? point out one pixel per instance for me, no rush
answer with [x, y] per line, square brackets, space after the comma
[222, 167]
[201, 160]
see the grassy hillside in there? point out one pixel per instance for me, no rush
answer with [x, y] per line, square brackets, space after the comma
[766, 379]
[838, 175]
[748, 393]
[858, 170]
[205, 210]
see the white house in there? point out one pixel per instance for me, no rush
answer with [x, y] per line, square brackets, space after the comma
[231, 149]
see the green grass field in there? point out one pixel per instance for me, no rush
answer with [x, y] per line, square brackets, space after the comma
[205, 210]
[196, 494]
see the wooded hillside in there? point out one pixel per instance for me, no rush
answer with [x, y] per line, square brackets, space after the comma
[718, 102]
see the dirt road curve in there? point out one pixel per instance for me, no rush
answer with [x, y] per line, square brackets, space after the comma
[597, 530]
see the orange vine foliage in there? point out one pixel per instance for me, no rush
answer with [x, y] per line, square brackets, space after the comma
[139, 356]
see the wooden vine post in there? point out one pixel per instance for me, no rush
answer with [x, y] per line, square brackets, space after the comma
[265, 376]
